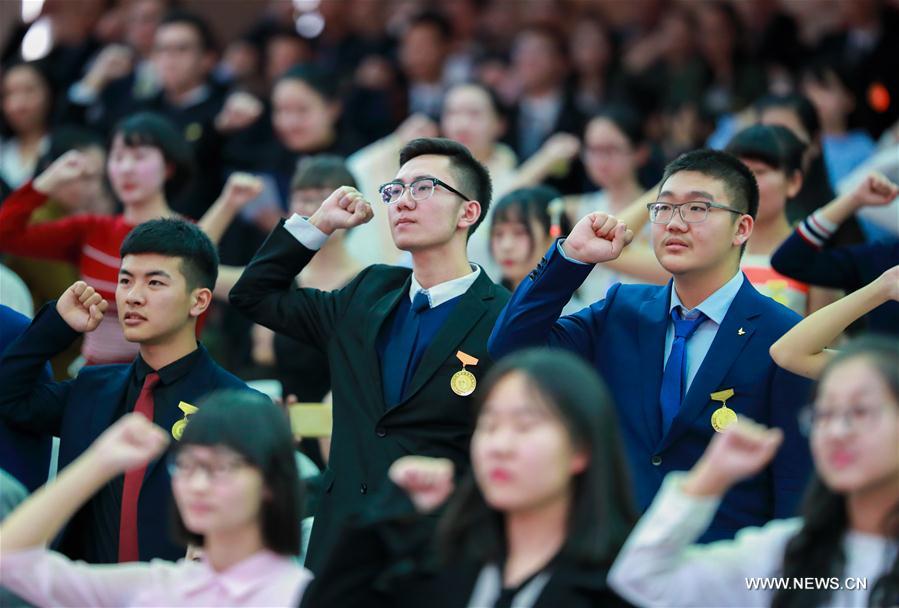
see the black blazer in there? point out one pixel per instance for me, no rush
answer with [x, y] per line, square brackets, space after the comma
[392, 563]
[366, 438]
[79, 410]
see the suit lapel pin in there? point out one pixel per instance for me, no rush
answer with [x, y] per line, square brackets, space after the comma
[179, 426]
[741, 332]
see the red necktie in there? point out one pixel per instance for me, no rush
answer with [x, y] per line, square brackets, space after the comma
[128, 550]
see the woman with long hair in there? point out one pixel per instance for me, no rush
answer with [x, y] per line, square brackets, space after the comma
[844, 548]
[536, 522]
[237, 497]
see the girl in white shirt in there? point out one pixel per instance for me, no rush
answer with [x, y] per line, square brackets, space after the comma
[841, 552]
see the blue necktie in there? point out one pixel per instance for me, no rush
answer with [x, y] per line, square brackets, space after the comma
[675, 369]
[401, 351]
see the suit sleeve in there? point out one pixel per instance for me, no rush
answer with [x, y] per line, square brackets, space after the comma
[531, 317]
[267, 294]
[27, 399]
[791, 468]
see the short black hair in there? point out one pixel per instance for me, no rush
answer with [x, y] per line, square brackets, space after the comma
[738, 180]
[319, 80]
[200, 25]
[434, 19]
[152, 129]
[322, 171]
[625, 119]
[178, 239]
[474, 178]
[800, 104]
[257, 429]
[774, 145]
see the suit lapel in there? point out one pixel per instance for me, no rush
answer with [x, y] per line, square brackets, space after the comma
[108, 398]
[725, 348]
[379, 314]
[651, 337]
[465, 315]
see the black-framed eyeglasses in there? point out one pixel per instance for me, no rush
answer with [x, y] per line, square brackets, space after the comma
[853, 418]
[185, 468]
[692, 212]
[420, 189]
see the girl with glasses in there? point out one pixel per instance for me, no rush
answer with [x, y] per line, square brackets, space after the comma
[841, 551]
[237, 496]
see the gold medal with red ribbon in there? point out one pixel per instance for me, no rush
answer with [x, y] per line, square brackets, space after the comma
[463, 381]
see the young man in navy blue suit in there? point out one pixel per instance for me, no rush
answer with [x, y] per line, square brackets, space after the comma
[687, 359]
[168, 270]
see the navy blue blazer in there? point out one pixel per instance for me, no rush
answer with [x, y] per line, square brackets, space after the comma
[79, 410]
[24, 455]
[623, 336]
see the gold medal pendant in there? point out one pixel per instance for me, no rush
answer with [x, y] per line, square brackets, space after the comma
[178, 427]
[723, 417]
[463, 381]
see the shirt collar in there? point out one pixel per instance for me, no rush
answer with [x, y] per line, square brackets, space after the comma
[240, 579]
[446, 291]
[195, 97]
[171, 372]
[716, 305]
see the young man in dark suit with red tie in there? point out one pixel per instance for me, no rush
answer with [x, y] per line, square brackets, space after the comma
[687, 359]
[168, 270]
[405, 348]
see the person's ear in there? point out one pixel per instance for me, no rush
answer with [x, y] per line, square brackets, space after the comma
[579, 462]
[471, 211]
[794, 184]
[201, 298]
[743, 230]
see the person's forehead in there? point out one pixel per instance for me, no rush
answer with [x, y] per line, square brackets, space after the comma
[142, 263]
[693, 185]
[177, 32]
[426, 165]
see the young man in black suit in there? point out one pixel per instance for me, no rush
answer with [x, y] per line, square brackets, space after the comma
[168, 270]
[406, 348]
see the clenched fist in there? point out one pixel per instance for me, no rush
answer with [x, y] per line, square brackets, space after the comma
[81, 307]
[70, 166]
[344, 208]
[876, 189]
[597, 238]
[427, 481]
[240, 189]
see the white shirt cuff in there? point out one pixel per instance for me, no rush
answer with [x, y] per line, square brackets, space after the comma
[308, 235]
[564, 255]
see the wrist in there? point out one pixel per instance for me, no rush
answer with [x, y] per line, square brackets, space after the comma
[43, 184]
[705, 480]
[319, 222]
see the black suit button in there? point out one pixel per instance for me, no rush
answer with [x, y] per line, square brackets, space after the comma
[381, 431]
[656, 461]
[363, 489]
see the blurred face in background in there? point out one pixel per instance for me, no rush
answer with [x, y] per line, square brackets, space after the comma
[609, 156]
[306, 201]
[469, 118]
[537, 62]
[303, 119]
[422, 53]
[26, 99]
[179, 57]
[81, 194]
[141, 23]
[137, 173]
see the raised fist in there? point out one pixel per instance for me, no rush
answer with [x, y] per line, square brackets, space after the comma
[597, 238]
[131, 442]
[740, 452]
[81, 307]
[875, 189]
[70, 166]
[240, 189]
[344, 208]
[239, 111]
[427, 481]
